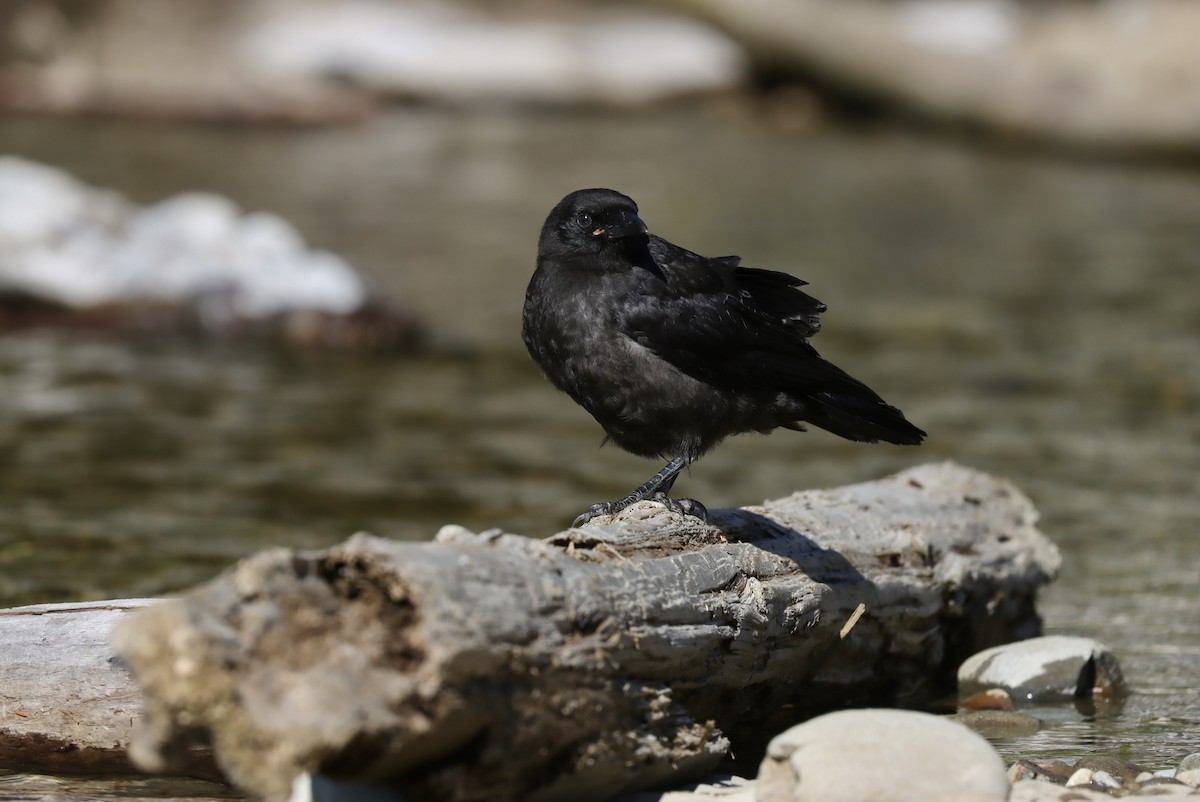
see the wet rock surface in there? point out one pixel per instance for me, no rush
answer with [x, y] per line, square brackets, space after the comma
[1048, 668]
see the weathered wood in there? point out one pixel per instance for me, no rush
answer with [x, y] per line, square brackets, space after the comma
[67, 705]
[608, 657]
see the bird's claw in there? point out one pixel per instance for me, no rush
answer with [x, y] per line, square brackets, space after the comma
[603, 508]
[682, 506]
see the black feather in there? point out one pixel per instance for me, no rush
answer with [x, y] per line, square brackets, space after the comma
[672, 351]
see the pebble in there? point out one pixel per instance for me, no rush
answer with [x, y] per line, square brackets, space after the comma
[1053, 781]
[1041, 791]
[1080, 777]
[1160, 788]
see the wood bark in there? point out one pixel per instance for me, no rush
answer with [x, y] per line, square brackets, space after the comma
[67, 704]
[614, 656]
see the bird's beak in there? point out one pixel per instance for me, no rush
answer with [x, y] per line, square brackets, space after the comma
[628, 225]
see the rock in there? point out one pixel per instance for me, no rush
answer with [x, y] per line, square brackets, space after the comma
[1080, 777]
[1039, 791]
[991, 699]
[70, 254]
[883, 756]
[713, 788]
[1113, 766]
[729, 789]
[1020, 770]
[999, 723]
[1057, 71]
[1190, 762]
[1159, 788]
[1156, 793]
[716, 788]
[1105, 780]
[459, 52]
[318, 62]
[1189, 777]
[1053, 771]
[1054, 667]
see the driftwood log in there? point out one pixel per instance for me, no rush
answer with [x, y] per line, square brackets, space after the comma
[67, 704]
[65, 707]
[608, 657]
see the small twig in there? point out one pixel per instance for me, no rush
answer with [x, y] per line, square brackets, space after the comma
[854, 616]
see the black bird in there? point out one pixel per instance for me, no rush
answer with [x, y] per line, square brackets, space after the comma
[672, 352]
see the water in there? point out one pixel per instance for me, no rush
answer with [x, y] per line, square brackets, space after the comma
[1037, 317]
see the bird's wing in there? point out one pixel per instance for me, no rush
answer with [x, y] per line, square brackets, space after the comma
[727, 325]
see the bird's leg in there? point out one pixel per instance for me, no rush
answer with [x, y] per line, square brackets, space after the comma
[683, 506]
[655, 488]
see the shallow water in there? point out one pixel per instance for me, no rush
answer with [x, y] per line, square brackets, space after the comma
[1037, 317]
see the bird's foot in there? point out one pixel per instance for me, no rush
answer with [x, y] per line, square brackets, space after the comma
[683, 506]
[602, 508]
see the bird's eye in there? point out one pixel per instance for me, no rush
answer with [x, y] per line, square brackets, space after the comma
[584, 221]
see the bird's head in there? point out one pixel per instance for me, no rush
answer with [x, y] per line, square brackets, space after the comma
[593, 222]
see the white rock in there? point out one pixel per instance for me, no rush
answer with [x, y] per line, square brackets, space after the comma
[1042, 791]
[730, 789]
[1105, 780]
[65, 242]
[959, 27]
[1047, 667]
[1080, 777]
[450, 51]
[883, 756]
[1190, 777]
[39, 203]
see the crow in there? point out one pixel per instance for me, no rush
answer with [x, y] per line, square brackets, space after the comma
[671, 351]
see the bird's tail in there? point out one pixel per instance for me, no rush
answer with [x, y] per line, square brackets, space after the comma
[860, 416]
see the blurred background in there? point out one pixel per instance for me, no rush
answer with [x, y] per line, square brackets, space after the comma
[262, 264]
